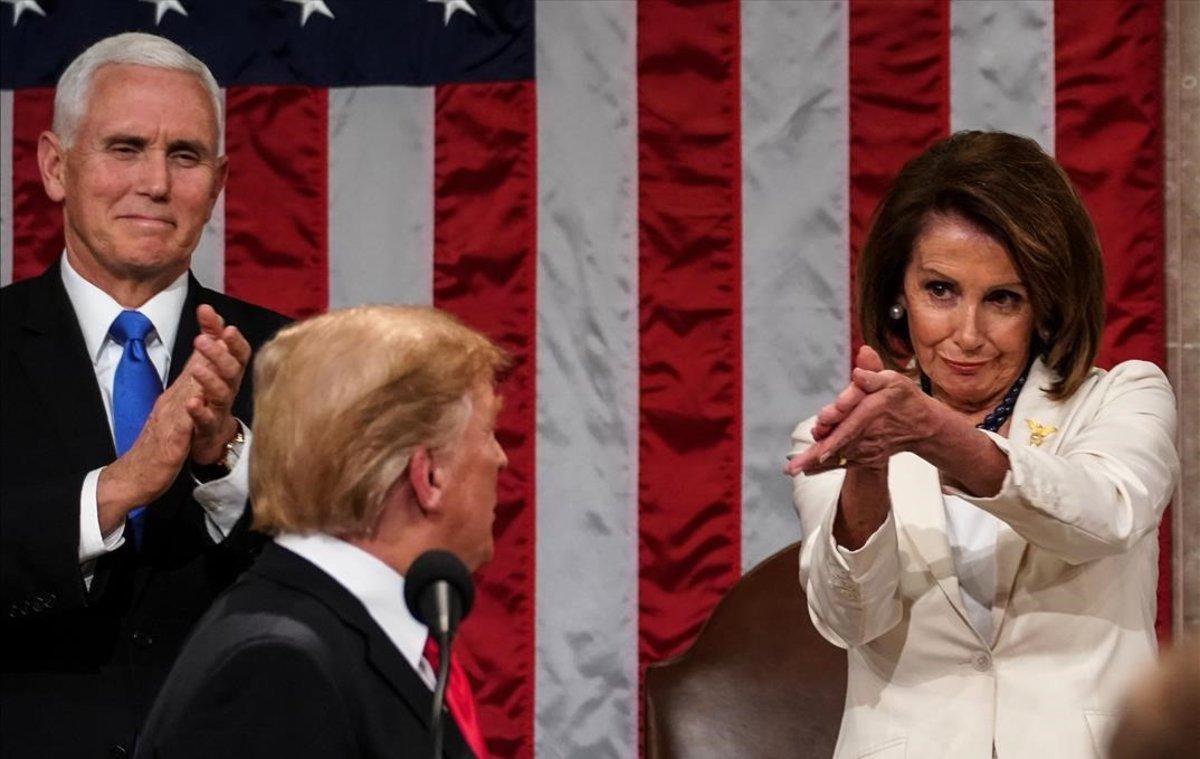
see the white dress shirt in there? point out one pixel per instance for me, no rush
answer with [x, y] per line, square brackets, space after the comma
[223, 499]
[971, 532]
[376, 585]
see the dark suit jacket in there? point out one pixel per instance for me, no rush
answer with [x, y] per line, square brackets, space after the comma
[81, 668]
[289, 664]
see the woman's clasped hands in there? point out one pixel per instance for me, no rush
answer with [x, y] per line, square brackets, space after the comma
[879, 414]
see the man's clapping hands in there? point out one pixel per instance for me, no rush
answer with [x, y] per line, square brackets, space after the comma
[191, 419]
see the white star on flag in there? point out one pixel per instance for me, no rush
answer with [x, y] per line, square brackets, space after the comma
[161, 7]
[455, 5]
[20, 6]
[310, 7]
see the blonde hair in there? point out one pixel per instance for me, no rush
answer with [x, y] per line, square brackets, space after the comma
[342, 400]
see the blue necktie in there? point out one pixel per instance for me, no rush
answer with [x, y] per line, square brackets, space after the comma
[135, 389]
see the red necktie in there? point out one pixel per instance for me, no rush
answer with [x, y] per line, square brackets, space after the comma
[459, 700]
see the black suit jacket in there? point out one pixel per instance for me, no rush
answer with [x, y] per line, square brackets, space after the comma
[81, 668]
[289, 664]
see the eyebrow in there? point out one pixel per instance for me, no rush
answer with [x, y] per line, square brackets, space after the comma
[129, 139]
[936, 273]
[141, 142]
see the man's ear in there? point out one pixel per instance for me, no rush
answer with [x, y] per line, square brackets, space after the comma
[222, 176]
[426, 478]
[52, 163]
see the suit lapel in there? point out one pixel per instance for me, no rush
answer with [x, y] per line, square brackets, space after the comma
[285, 567]
[63, 376]
[916, 491]
[1033, 406]
[188, 329]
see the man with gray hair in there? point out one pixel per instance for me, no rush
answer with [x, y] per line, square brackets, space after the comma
[124, 418]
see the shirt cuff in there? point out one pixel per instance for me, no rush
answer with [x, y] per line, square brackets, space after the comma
[224, 499]
[93, 545]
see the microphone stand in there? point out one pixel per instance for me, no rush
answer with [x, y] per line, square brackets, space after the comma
[444, 636]
[439, 694]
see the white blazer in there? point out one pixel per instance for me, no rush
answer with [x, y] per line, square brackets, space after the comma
[1076, 574]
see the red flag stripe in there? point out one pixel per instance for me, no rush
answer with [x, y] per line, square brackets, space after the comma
[1108, 137]
[276, 198]
[689, 220]
[484, 271]
[899, 101]
[37, 221]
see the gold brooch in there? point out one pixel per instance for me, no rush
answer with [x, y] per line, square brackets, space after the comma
[1038, 432]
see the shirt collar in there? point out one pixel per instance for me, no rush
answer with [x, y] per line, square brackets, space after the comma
[96, 309]
[376, 585]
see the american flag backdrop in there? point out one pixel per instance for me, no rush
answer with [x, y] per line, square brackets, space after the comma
[656, 207]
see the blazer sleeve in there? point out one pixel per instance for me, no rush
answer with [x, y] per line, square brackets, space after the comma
[39, 545]
[853, 596]
[1107, 484]
[268, 699]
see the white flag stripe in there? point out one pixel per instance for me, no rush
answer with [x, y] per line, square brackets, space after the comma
[795, 248]
[1002, 68]
[380, 195]
[587, 380]
[208, 260]
[6, 187]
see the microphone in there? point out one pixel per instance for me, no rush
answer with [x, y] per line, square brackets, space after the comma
[438, 592]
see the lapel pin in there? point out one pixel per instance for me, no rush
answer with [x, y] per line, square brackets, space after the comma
[1038, 432]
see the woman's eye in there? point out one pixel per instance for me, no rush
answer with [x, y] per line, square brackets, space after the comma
[939, 289]
[1006, 298]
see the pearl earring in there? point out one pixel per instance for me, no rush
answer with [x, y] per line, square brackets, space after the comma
[896, 311]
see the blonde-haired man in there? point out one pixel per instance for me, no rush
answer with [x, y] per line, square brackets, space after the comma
[374, 443]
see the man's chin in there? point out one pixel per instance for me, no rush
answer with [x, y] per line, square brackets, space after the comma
[481, 557]
[139, 261]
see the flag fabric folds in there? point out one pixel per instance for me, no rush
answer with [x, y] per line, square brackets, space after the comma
[656, 207]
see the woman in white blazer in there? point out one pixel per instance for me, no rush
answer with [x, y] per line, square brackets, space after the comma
[980, 505]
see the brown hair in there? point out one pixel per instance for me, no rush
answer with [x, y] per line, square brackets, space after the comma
[340, 402]
[1011, 190]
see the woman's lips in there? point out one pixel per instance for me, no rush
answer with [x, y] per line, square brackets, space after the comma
[964, 367]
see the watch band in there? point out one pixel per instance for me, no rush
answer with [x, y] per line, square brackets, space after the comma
[233, 449]
[229, 458]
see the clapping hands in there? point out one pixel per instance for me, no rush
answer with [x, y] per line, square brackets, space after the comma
[216, 366]
[192, 418]
[880, 413]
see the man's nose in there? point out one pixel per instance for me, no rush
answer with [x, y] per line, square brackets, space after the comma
[156, 175]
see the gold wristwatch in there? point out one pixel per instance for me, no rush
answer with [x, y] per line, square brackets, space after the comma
[233, 449]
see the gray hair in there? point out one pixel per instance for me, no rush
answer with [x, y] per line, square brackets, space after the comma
[133, 48]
